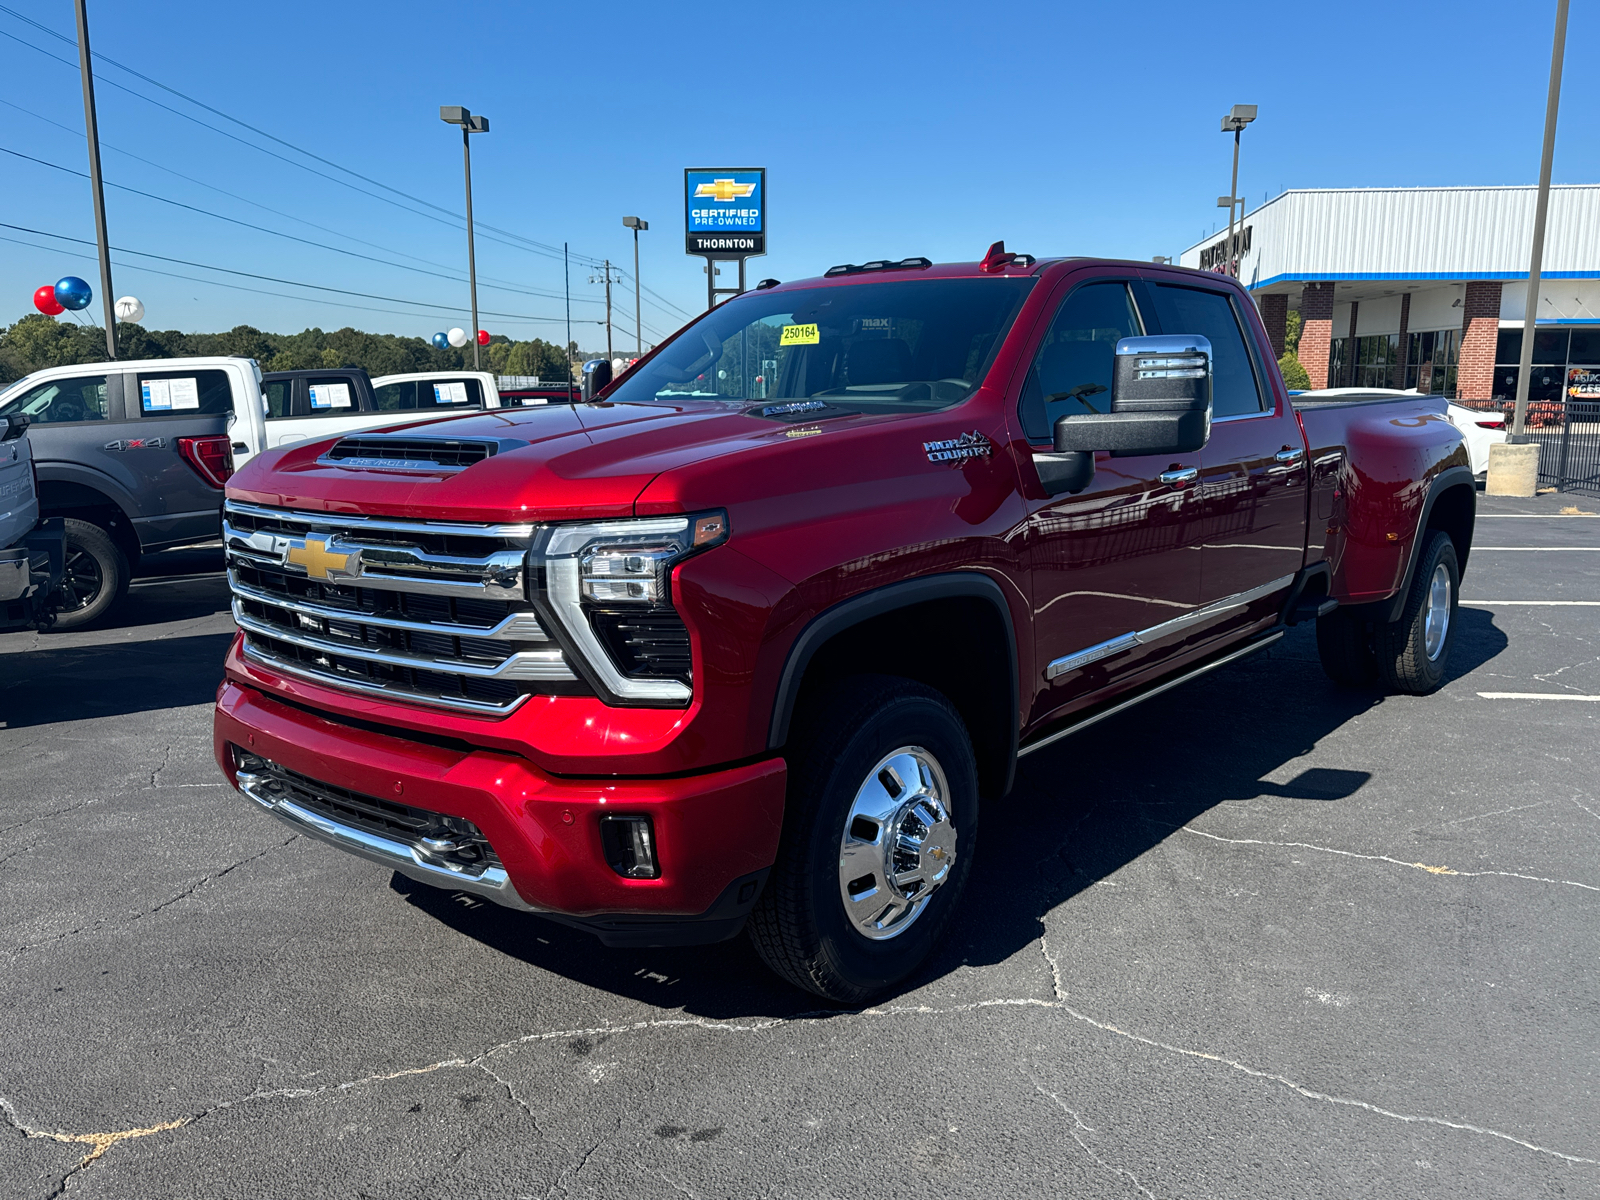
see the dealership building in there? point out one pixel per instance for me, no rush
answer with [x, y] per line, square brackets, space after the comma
[1423, 287]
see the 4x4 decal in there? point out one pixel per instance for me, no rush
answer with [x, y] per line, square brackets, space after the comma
[137, 444]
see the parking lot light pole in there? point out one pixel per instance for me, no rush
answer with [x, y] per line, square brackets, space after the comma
[1530, 312]
[1238, 117]
[454, 114]
[97, 186]
[636, 224]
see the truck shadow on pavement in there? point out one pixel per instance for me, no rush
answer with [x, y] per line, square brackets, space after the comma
[1080, 811]
[82, 681]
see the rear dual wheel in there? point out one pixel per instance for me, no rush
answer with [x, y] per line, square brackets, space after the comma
[1411, 653]
[879, 830]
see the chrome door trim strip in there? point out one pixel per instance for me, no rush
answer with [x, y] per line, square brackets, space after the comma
[1166, 685]
[492, 884]
[1143, 637]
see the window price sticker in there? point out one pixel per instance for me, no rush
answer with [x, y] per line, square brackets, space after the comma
[330, 395]
[799, 335]
[169, 395]
[450, 393]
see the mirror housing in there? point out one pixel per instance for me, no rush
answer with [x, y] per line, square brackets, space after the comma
[15, 426]
[1160, 404]
[596, 377]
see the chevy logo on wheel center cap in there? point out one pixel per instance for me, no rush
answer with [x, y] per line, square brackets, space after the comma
[313, 554]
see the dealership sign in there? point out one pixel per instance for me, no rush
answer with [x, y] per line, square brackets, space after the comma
[725, 211]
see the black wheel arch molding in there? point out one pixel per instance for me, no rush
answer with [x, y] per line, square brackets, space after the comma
[972, 586]
[1452, 482]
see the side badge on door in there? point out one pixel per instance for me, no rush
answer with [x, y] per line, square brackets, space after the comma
[959, 449]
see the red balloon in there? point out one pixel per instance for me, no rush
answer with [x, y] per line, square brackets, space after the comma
[483, 337]
[45, 301]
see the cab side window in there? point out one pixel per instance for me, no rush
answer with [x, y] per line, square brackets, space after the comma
[63, 401]
[1234, 388]
[1073, 369]
[184, 394]
[393, 397]
[332, 397]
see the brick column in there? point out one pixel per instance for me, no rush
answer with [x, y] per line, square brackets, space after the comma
[1480, 330]
[1316, 331]
[1404, 348]
[1349, 379]
[1274, 315]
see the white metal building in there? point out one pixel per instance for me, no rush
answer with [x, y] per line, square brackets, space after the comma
[1418, 287]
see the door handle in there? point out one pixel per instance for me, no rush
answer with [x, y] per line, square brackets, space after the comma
[1289, 454]
[1180, 476]
[240, 448]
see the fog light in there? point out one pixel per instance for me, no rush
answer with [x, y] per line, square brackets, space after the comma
[630, 846]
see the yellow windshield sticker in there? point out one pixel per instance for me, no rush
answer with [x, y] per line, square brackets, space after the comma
[799, 335]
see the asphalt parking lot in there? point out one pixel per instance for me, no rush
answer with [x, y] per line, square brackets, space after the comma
[1257, 938]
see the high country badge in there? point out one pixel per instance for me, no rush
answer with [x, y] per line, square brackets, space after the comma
[959, 449]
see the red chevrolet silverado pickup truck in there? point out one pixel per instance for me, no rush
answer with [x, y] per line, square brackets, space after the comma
[750, 639]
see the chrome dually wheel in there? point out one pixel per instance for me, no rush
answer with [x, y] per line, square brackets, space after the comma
[898, 845]
[1436, 617]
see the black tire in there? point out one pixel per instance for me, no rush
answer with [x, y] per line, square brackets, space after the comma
[1344, 644]
[1410, 657]
[800, 926]
[96, 577]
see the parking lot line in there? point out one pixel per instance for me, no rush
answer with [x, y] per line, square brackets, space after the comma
[1537, 696]
[1532, 603]
[1546, 549]
[1539, 516]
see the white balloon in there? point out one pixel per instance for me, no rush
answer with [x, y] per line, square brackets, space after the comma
[129, 308]
[458, 338]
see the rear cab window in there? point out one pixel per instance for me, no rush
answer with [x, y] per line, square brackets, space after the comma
[277, 396]
[1236, 388]
[183, 393]
[333, 396]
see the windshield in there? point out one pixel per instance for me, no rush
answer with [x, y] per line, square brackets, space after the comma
[909, 345]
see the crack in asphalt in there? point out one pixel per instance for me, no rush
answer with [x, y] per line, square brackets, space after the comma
[98, 1143]
[167, 903]
[1399, 862]
[105, 1141]
[166, 758]
[1077, 1124]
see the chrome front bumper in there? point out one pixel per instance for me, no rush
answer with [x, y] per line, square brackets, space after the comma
[492, 883]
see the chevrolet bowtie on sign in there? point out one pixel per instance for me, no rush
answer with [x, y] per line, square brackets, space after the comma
[725, 211]
[320, 562]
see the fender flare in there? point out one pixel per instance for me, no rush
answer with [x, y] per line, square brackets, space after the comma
[835, 620]
[77, 475]
[1444, 481]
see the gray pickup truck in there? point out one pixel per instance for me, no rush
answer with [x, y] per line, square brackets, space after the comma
[31, 551]
[133, 456]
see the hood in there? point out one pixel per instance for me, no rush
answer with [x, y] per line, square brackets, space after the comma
[549, 462]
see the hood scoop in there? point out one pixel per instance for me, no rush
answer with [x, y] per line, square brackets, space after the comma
[798, 410]
[398, 452]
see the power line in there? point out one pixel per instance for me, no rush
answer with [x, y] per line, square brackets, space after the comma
[289, 282]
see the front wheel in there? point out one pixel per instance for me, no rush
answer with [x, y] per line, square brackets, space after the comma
[879, 830]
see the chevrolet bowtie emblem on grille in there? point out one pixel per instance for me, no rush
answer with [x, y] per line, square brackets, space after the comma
[725, 190]
[313, 554]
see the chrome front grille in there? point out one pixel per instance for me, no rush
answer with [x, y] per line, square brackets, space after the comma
[428, 612]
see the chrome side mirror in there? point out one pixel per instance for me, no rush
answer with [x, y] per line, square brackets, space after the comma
[1160, 404]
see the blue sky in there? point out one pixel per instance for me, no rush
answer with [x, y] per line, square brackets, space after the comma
[887, 130]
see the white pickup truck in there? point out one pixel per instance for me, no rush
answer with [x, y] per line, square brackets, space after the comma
[134, 455]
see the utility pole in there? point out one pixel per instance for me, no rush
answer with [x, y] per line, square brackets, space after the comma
[636, 224]
[1530, 312]
[454, 114]
[91, 127]
[608, 310]
[566, 275]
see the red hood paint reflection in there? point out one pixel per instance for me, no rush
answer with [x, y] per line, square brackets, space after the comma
[566, 461]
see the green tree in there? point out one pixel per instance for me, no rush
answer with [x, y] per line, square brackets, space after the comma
[1294, 372]
[1291, 332]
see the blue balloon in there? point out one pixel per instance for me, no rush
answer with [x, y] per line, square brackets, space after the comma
[439, 339]
[73, 293]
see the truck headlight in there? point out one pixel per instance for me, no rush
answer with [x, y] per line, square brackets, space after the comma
[608, 585]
